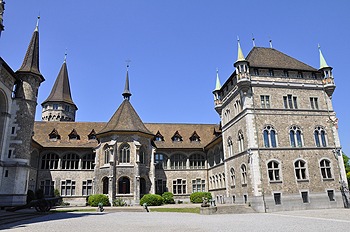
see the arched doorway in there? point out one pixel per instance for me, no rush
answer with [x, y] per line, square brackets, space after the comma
[142, 186]
[123, 185]
[105, 185]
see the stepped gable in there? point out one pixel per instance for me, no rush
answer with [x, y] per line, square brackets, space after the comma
[125, 119]
[272, 58]
[43, 129]
[205, 131]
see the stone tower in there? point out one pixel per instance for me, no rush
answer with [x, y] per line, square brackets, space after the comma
[2, 8]
[59, 106]
[21, 124]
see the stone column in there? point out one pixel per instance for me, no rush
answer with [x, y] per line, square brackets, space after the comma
[137, 173]
[152, 173]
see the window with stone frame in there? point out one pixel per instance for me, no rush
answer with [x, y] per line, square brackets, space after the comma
[233, 177]
[326, 169]
[70, 161]
[179, 186]
[290, 102]
[67, 188]
[277, 198]
[197, 161]
[106, 150]
[269, 135]
[314, 103]
[198, 185]
[88, 162]
[265, 101]
[50, 161]
[142, 155]
[161, 186]
[124, 154]
[230, 146]
[240, 141]
[48, 187]
[320, 137]
[305, 196]
[273, 169]
[243, 174]
[295, 135]
[160, 160]
[330, 194]
[300, 170]
[124, 185]
[178, 161]
[87, 188]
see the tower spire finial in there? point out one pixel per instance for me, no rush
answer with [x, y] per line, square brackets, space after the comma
[240, 55]
[65, 56]
[253, 39]
[37, 23]
[126, 94]
[270, 41]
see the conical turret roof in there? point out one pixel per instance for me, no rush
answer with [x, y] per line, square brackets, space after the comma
[61, 89]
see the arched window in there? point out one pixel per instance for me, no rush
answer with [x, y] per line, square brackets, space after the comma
[211, 159]
[88, 161]
[320, 137]
[269, 134]
[124, 154]
[70, 161]
[300, 170]
[233, 176]
[295, 136]
[273, 170]
[160, 160]
[142, 155]
[123, 185]
[197, 161]
[244, 174]
[105, 185]
[240, 141]
[230, 146]
[49, 161]
[178, 161]
[326, 169]
[217, 156]
[106, 155]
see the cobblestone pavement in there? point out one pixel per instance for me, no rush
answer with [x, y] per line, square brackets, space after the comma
[308, 220]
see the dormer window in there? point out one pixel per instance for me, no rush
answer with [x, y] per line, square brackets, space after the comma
[176, 137]
[158, 137]
[92, 135]
[74, 135]
[195, 137]
[54, 135]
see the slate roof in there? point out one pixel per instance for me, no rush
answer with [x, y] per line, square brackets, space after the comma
[43, 129]
[61, 89]
[272, 58]
[125, 119]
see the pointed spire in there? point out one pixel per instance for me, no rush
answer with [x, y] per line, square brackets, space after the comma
[323, 63]
[61, 89]
[126, 94]
[31, 59]
[240, 56]
[218, 84]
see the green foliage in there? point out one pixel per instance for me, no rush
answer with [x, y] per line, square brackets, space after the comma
[30, 196]
[152, 200]
[198, 197]
[56, 193]
[347, 167]
[177, 210]
[168, 198]
[119, 202]
[97, 198]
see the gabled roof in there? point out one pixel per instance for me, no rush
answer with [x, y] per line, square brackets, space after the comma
[272, 58]
[125, 119]
[61, 89]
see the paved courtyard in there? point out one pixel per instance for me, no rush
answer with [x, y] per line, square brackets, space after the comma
[310, 220]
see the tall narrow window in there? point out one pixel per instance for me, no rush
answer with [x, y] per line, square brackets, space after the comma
[326, 170]
[70, 161]
[300, 170]
[295, 137]
[124, 154]
[49, 161]
[106, 155]
[265, 101]
[160, 160]
[230, 147]
[269, 135]
[320, 137]
[197, 161]
[87, 187]
[244, 174]
[290, 102]
[233, 177]
[48, 187]
[88, 161]
[273, 170]
[314, 103]
[124, 185]
[240, 141]
[178, 161]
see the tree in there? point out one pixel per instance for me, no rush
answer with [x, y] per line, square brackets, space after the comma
[347, 166]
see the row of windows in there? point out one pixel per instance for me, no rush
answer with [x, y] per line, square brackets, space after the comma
[177, 137]
[179, 161]
[285, 73]
[68, 187]
[289, 102]
[124, 154]
[304, 197]
[68, 161]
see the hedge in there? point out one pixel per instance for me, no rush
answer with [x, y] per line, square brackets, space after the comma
[152, 200]
[197, 197]
[97, 198]
[168, 198]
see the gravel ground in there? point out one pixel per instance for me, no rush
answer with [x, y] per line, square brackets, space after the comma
[310, 220]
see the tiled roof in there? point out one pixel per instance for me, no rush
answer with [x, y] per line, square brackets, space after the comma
[272, 58]
[61, 89]
[83, 129]
[125, 119]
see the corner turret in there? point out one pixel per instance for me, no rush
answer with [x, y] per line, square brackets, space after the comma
[242, 71]
[216, 92]
[328, 80]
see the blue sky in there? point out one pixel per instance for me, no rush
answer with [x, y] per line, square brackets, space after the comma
[174, 48]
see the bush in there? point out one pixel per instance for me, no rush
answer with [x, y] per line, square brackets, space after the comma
[168, 198]
[152, 200]
[198, 197]
[30, 196]
[56, 193]
[97, 198]
[119, 202]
